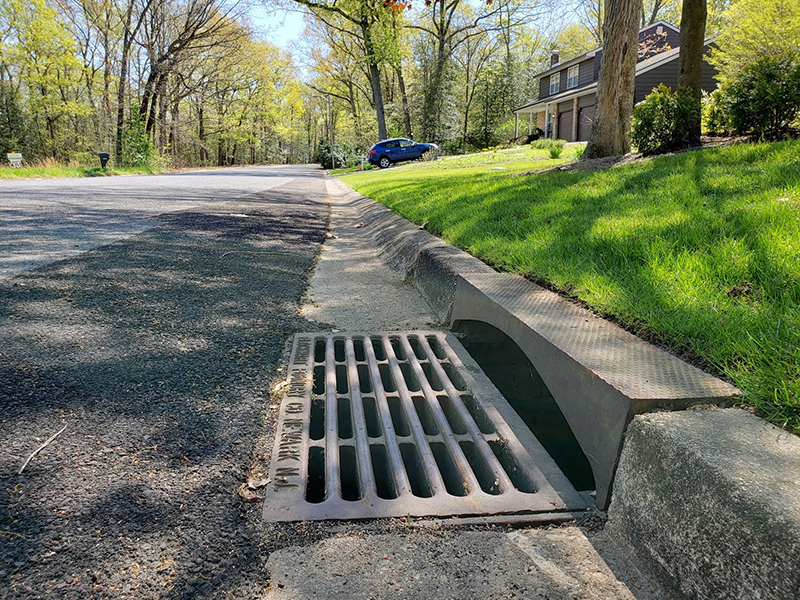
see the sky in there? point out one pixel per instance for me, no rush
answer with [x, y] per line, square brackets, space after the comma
[278, 26]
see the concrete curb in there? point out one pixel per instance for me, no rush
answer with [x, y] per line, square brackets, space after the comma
[707, 504]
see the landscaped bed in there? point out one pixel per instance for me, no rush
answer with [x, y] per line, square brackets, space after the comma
[699, 251]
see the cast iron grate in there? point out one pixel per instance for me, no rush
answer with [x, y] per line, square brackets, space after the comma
[402, 424]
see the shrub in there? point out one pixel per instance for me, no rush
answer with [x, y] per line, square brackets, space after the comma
[715, 118]
[546, 143]
[138, 149]
[764, 97]
[579, 152]
[665, 120]
[555, 151]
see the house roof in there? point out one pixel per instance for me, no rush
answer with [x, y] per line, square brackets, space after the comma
[644, 66]
[649, 64]
[592, 53]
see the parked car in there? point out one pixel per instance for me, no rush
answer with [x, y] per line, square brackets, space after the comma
[396, 150]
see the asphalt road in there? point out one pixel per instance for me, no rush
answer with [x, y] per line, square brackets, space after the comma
[148, 317]
[51, 219]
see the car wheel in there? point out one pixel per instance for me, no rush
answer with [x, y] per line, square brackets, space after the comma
[384, 162]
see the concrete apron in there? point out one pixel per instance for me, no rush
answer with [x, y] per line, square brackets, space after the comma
[353, 290]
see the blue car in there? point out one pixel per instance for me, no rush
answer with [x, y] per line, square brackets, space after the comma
[397, 150]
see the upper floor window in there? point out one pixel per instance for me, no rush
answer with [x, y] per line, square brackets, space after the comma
[572, 77]
[555, 80]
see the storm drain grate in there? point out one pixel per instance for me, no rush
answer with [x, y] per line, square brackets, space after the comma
[401, 424]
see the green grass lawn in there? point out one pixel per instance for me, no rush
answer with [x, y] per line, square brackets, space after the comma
[46, 172]
[698, 251]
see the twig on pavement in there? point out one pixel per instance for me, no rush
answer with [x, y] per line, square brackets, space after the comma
[42, 447]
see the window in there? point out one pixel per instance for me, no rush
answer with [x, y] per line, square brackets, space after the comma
[554, 83]
[406, 143]
[572, 77]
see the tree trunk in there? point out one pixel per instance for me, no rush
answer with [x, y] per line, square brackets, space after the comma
[201, 133]
[123, 80]
[693, 32]
[375, 81]
[401, 82]
[615, 85]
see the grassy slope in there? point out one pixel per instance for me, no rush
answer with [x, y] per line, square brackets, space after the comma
[701, 249]
[47, 172]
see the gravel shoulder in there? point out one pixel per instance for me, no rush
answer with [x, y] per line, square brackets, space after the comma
[157, 353]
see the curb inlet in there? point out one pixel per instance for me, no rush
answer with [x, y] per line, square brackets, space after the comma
[401, 424]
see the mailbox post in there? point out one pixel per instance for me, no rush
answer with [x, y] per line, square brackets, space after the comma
[104, 156]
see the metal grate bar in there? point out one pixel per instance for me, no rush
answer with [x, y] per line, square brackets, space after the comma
[502, 479]
[411, 426]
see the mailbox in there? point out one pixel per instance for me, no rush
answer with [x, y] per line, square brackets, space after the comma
[104, 156]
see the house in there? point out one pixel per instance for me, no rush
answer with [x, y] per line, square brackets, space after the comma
[565, 107]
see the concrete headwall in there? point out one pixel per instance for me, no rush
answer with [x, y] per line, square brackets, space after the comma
[707, 504]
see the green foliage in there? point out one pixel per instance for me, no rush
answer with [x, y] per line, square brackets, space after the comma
[764, 97]
[547, 143]
[715, 119]
[346, 155]
[12, 121]
[138, 149]
[698, 249]
[555, 151]
[579, 152]
[665, 120]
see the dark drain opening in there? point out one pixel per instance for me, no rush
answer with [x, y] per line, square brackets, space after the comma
[338, 350]
[478, 414]
[319, 351]
[425, 416]
[358, 349]
[453, 480]
[341, 379]
[397, 347]
[399, 419]
[316, 427]
[371, 417]
[511, 467]
[348, 473]
[408, 376]
[517, 379]
[432, 377]
[486, 478]
[416, 347]
[377, 347]
[319, 380]
[386, 378]
[384, 480]
[436, 346]
[454, 376]
[415, 471]
[345, 419]
[315, 486]
[452, 416]
[364, 379]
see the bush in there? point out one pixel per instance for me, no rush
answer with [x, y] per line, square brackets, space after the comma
[138, 149]
[555, 151]
[764, 97]
[665, 121]
[715, 119]
[579, 152]
[546, 144]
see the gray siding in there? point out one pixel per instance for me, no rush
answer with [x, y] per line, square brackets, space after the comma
[586, 74]
[668, 75]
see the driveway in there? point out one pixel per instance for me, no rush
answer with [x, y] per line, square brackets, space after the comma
[151, 329]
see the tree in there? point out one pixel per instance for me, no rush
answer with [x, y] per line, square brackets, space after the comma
[367, 16]
[693, 32]
[615, 85]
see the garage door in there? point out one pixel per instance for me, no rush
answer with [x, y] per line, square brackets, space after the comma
[586, 116]
[565, 126]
